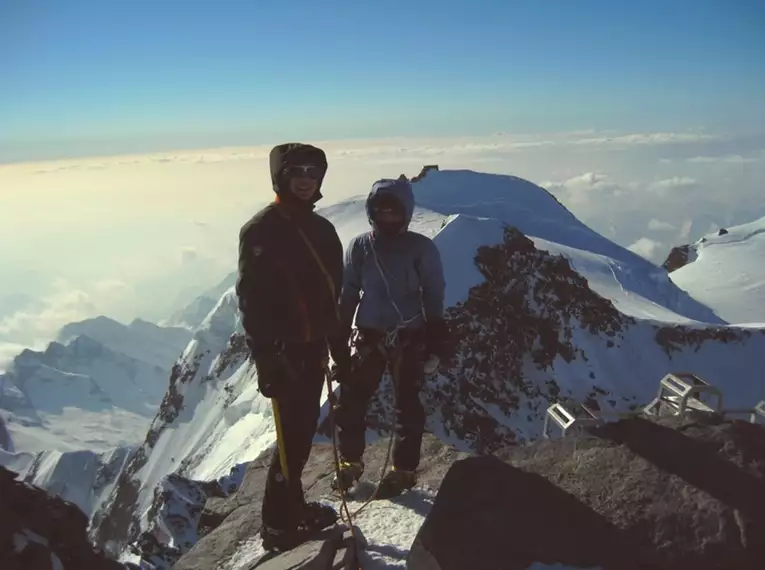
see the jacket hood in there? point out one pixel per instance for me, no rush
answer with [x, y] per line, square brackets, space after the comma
[296, 154]
[400, 189]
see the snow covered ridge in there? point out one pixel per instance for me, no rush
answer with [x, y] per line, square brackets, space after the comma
[80, 395]
[191, 316]
[96, 387]
[726, 271]
[141, 340]
[542, 308]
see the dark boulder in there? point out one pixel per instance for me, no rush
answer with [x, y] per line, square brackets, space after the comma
[678, 257]
[39, 531]
[639, 494]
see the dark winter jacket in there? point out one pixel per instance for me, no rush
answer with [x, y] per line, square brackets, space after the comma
[284, 294]
[414, 279]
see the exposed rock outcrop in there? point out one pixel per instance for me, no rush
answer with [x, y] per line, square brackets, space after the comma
[674, 494]
[175, 516]
[424, 172]
[678, 257]
[41, 532]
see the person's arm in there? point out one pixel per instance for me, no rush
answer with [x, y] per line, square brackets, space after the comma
[339, 342]
[351, 290]
[337, 262]
[433, 286]
[254, 287]
[432, 280]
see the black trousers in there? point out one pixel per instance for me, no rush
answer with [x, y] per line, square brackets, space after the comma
[369, 366]
[299, 410]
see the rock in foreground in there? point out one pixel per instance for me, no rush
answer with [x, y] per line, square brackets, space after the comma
[228, 523]
[640, 494]
[42, 532]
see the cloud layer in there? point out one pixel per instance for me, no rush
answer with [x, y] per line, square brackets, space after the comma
[139, 235]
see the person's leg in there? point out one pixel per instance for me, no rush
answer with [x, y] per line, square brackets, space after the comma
[299, 409]
[307, 410]
[410, 423]
[352, 410]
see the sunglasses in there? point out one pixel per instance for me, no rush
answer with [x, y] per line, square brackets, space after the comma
[303, 171]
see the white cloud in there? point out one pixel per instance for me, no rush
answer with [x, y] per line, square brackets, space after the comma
[730, 159]
[674, 182]
[64, 306]
[660, 226]
[138, 235]
[650, 249]
[649, 139]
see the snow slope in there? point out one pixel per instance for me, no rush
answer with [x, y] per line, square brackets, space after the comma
[191, 316]
[553, 313]
[727, 273]
[82, 477]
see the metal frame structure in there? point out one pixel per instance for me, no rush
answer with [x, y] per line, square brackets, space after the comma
[681, 393]
[580, 417]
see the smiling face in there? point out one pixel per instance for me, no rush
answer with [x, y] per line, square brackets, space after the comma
[388, 214]
[303, 181]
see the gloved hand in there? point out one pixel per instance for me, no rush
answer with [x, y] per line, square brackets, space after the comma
[341, 355]
[273, 373]
[437, 339]
[341, 373]
[431, 364]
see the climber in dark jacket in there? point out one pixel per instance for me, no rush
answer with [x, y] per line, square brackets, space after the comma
[290, 276]
[394, 278]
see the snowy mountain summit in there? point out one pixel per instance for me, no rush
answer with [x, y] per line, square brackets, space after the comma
[542, 308]
[726, 271]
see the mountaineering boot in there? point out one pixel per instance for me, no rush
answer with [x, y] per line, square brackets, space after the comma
[395, 482]
[348, 475]
[314, 518]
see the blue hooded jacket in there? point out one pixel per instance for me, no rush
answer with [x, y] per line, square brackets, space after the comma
[393, 280]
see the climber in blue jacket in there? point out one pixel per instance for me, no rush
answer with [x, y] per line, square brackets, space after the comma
[395, 278]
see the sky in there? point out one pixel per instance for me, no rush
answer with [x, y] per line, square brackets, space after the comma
[134, 136]
[84, 76]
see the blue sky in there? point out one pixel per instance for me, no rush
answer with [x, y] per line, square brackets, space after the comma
[87, 76]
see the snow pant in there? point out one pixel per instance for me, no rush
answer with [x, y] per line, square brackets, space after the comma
[299, 409]
[369, 364]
